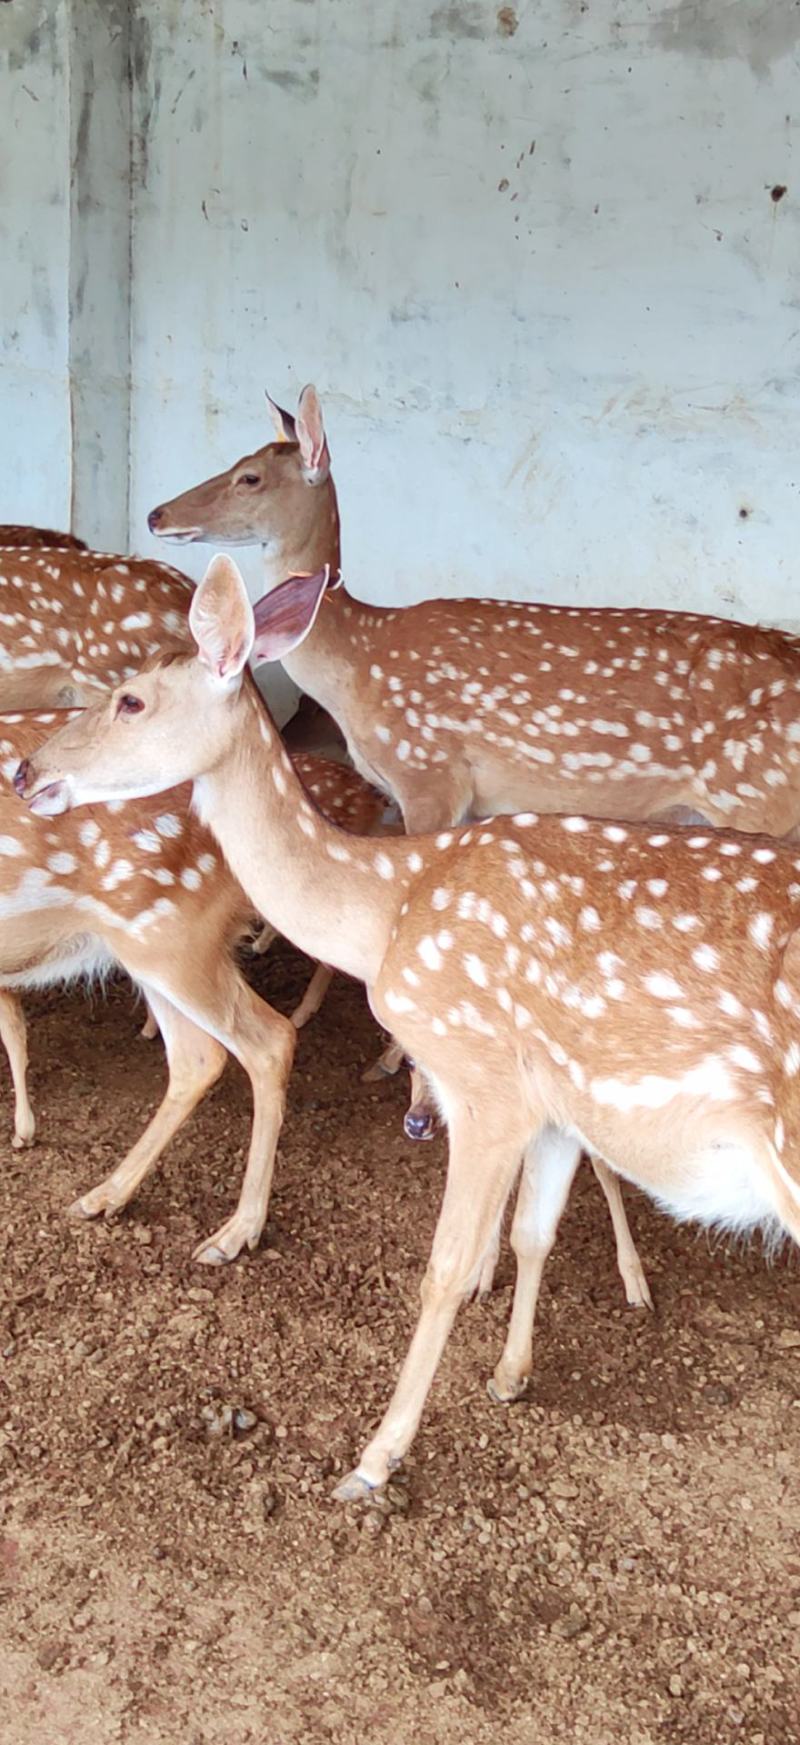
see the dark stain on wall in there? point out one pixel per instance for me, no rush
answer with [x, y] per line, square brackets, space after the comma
[26, 43]
[303, 84]
[507, 21]
[461, 18]
[758, 34]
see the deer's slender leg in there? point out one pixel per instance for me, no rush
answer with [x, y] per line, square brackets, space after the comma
[481, 1170]
[637, 1290]
[14, 1034]
[548, 1170]
[195, 1061]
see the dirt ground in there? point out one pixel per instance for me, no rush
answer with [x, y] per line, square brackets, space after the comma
[616, 1558]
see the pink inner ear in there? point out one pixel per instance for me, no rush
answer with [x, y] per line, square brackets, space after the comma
[310, 432]
[284, 616]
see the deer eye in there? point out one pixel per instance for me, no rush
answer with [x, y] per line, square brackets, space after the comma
[249, 479]
[129, 705]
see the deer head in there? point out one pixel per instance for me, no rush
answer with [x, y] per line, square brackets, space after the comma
[271, 497]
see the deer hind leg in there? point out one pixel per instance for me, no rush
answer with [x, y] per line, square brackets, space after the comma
[481, 1170]
[313, 996]
[386, 1065]
[420, 1119]
[14, 1035]
[263, 940]
[195, 1062]
[149, 1028]
[264, 1043]
[317, 987]
[548, 1171]
[637, 1290]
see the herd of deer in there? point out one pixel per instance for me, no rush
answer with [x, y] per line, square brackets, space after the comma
[586, 935]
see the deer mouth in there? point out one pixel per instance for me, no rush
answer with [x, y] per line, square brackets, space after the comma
[179, 535]
[47, 799]
[47, 802]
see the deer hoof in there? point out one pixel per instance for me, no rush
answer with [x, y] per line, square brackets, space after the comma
[226, 1244]
[92, 1205]
[419, 1125]
[504, 1393]
[354, 1488]
[637, 1290]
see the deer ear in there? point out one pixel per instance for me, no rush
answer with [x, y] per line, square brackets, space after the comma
[284, 617]
[221, 620]
[311, 436]
[283, 422]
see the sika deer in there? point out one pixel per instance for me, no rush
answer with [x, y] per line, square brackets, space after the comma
[464, 708]
[142, 886]
[562, 982]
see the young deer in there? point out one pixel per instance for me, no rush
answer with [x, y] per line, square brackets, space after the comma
[142, 886]
[464, 708]
[73, 621]
[563, 983]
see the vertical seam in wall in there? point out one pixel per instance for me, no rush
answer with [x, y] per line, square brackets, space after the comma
[129, 360]
[70, 53]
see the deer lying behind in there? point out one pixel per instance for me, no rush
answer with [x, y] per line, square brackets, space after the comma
[562, 982]
[143, 886]
[37, 537]
[74, 621]
[461, 708]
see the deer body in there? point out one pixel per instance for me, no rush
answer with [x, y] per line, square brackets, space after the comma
[562, 982]
[142, 886]
[14, 534]
[73, 622]
[467, 708]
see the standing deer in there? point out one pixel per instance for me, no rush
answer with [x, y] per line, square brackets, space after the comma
[461, 708]
[142, 886]
[562, 982]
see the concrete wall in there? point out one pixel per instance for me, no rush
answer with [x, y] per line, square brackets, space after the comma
[537, 261]
[64, 265]
[531, 259]
[35, 461]
[100, 274]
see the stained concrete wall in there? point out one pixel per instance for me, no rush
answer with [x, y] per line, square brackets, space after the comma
[538, 261]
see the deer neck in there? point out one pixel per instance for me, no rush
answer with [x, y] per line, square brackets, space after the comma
[327, 655]
[332, 894]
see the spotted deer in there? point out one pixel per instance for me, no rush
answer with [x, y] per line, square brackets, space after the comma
[141, 885]
[73, 622]
[467, 708]
[562, 982]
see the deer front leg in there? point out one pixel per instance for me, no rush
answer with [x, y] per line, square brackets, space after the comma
[264, 1043]
[195, 1061]
[481, 1170]
[14, 1034]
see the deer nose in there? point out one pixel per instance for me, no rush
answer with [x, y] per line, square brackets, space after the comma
[21, 776]
[154, 519]
[418, 1124]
